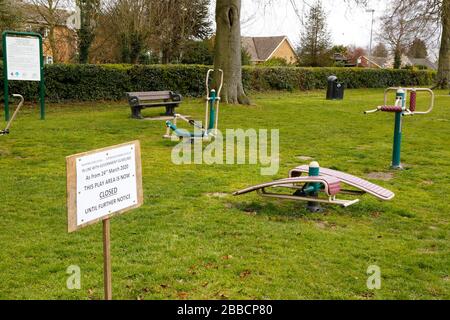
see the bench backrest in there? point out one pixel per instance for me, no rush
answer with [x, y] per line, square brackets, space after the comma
[151, 95]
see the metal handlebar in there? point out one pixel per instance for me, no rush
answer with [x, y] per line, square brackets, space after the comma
[386, 92]
[407, 111]
[207, 83]
[372, 111]
[8, 126]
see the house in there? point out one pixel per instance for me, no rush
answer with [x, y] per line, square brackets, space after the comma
[423, 62]
[379, 62]
[35, 20]
[262, 49]
[388, 62]
[342, 60]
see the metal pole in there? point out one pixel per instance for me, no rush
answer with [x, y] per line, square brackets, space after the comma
[5, 77]
[396, 161]
[371, 35]
[42, 82]
[107, 259]
[397, 141]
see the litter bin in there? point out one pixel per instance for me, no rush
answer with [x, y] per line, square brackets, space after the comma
[335, 90]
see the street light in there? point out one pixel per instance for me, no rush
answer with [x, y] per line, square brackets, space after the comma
[372, 11]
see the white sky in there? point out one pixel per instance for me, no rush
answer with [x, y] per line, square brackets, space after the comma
[349, 25]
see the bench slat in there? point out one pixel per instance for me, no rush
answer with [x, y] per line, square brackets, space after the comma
[155, 104]
[150, 95]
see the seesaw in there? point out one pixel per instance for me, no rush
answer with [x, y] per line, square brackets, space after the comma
[319, 185]
[204, 131]
[8, 125]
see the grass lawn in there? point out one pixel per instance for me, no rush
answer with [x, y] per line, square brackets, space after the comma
[193, 240]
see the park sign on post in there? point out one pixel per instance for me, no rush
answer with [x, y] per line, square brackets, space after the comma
[101, 184]
[23, 60]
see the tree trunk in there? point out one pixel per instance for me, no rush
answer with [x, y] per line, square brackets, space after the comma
[398, 58]
[53, 46]
[228, 54]
[443, 76]
[85, 38]
[86, 32]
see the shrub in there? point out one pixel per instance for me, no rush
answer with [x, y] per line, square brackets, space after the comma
[421, 67]
[110, 82]
[246, 58]
[275, 62]
[198, 52]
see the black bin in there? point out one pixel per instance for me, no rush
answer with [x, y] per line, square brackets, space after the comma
[335, 89]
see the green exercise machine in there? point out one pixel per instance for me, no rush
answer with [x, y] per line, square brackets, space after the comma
[205, 131]
[8, 125]
[401, 110]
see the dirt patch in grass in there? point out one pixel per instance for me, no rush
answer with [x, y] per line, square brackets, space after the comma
[325, 225]
[383, 176]
[217, 195]
[305, 158]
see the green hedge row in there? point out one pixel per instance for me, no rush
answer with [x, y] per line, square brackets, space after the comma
[280, 78]
[110, 82]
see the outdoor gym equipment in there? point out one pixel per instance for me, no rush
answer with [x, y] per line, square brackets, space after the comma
[400, 109]
[8, 126]
[209, 129]
[321, 185]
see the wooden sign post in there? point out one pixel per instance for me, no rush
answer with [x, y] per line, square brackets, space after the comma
[101, 184]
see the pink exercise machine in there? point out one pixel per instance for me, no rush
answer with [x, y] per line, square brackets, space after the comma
[319, 185]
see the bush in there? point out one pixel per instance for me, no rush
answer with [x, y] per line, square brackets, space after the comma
[198, 52]
[316, 78]
[421, 67]
[275, 62]
[110, 82]
[246, 58]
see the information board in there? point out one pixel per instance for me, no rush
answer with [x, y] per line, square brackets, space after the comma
[103, 183]
[23, 58]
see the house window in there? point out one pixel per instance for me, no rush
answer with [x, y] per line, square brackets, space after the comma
[48, 60]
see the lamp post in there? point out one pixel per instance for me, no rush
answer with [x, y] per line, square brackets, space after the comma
[372, 11]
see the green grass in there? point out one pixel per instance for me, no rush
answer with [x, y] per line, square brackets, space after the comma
[185, 243]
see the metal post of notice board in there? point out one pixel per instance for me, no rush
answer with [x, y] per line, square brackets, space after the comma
[15, 75]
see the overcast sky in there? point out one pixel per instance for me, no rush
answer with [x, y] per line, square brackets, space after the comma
[348, 25]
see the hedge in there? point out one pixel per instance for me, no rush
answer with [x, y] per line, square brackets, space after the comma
[110, 82]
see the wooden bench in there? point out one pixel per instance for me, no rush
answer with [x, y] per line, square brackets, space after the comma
[153, 99]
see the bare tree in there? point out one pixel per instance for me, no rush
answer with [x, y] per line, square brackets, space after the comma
[175, 22]
[128, 22]
[228, 44]
[433, 13]
[380, 50]
[354, 53]
[51, 12]
[400, 27]
[10, 14]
